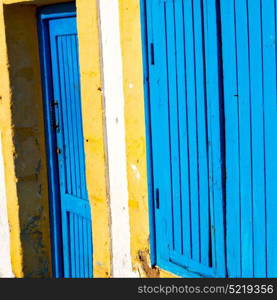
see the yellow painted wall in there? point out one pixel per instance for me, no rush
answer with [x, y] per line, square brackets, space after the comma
[135, 127]
[8, 152]
[21, 121]
[93, 119]
[130, 26]
[27, 189]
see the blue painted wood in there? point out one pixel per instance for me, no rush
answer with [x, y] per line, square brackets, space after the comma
[268, 8]
[245, 124]
[174, 133]
[249, 56]
[257, 116]
[185, 122]
[233, 193]
[192, 127]
[215, 135]
[183, 130]
[202, 130]
[212, 109]
[158, 81]
[62, 81]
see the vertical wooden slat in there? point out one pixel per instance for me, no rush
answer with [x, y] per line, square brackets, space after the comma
[232, 138]
[215, 119]
[77, 245]
[160, 134]
[75, 111]
[192, 128]
[70, 103]
[207, 41]
[69, 141]
[174, 124]
[258, 165]
[270, 121]
[245, 150]
[202, 133]
[81, 247]
[89, 248]
[63, 120]
[72, 245]
[86, 238]
[183, 129]
[75, 57]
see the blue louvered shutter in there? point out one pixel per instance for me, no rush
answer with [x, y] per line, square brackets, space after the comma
[249, 63]
[75, 208]
[186, 118]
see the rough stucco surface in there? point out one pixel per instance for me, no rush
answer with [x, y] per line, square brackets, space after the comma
[5, 260]
[130, 24]
[28, 138]
[94, 133]
[116, 146]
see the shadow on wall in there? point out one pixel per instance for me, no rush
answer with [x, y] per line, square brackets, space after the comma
[28, 130]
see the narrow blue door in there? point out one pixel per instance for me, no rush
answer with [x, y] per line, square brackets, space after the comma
[186, 136]
[66, 143]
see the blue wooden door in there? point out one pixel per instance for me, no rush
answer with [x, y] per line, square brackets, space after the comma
[186, 135]
[211, 72]
[63, 84]
[249, 61]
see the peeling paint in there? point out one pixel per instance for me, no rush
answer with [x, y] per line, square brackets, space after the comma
[136, 171]
[145, 269]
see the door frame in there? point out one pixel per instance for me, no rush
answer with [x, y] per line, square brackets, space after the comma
[44, 15]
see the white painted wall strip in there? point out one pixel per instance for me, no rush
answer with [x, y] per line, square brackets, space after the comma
[5, 260]
[116, 144]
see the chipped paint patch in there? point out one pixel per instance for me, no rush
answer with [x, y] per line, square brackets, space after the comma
[136, 171]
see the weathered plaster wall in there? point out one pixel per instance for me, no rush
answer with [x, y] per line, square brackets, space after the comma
[135, 127]
[94, 133]
[8, 152]
[116, 146]
[130, 26]
[28, 137]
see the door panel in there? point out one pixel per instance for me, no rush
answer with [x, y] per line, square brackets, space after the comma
[75, 208]
[249, 61]
[186, 117]
[213, 114]
[65, 113]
